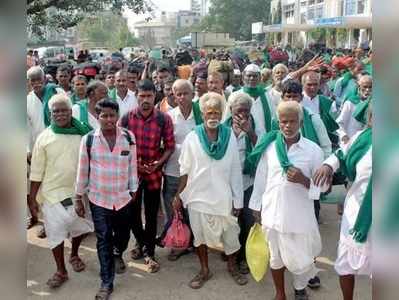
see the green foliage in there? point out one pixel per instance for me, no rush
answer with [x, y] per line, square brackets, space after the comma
[107, 29]
[235, 17]
[63, 14]
[318, 34]
[342, 34]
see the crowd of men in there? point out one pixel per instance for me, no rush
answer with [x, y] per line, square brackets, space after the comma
[262, 145]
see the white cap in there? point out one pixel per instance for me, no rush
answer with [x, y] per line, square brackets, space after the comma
[237, 72]
[252, 68]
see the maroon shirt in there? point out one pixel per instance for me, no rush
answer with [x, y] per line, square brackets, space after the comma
[150, 134]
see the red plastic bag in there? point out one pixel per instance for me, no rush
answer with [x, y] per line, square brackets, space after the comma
[178, 235]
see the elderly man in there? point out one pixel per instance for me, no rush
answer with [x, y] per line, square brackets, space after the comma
[243, 126]
[318, 104]
[184, 121]
[347, 84]
[273, 92]
[210, 188]
[216, 83]
[355, 246]
[283, 200]
[38, 113]
[261, 107]
[53, 173]
[125, 98]
[348, 125]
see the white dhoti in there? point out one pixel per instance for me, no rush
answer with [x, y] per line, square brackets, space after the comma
[353, 258]
[296, 252]
[62, 223]
[212, 230]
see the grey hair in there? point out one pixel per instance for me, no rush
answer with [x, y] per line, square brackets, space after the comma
[35, 71]
[93, 85]
[280, 66]
[365, 77]
[290, 106]
[181, 83]
[240, 98]
[212, 99]
[60, 98]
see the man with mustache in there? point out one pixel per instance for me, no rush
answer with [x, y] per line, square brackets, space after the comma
[152, 128]
[279, 72]
[210, 187]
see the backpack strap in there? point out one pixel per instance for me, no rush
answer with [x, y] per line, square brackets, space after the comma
[161, 120]
[128, 137]
[89, 144]
[125, 120]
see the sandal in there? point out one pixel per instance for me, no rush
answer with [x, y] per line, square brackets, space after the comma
[243, 268]
[238, 277]
[77, 264]
[57, 280]
[137, 253]
[153, 265]
[103, 294]
[199, 280]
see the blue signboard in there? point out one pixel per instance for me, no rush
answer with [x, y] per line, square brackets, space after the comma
[329, 21]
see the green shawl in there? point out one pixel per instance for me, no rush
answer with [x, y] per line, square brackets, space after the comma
[84, 113]
[197, 113]
[112, 94]
[49, 91]
[260, 92]
[251, 162]
[354, 97]
[325, 106]
[348, 164]
[360, 113]
[307, 130]
[348, 76]
[75, 99]
[77, 128]
[217, 149]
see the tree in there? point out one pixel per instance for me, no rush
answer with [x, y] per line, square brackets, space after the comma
[236, 17]
[277, 14]
[108, 30]
[63, 14]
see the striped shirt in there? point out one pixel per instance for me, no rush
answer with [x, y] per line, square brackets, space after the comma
[112, 176]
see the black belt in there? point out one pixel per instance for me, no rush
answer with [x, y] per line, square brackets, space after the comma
[67, 202]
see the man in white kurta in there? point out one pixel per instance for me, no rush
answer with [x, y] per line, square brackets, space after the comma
[211, 189]
[348, 125]
[126, 99]
[286, 206]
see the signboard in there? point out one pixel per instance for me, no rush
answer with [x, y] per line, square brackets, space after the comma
[257, 28]
[329, 21]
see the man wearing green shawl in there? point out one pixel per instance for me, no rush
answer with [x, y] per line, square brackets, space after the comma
[210, 187]
[282, 200]
[260, 110]
[348, 125]
[347, 84]
[243, 126]
[354, 248]
[53, 174]
[79, 85]
[184, 120]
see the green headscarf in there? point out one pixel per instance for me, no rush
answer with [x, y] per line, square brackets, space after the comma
[77, 128]
[217, 149]
[260, 92]
[49, 91]
[251, 162]
[348, 164]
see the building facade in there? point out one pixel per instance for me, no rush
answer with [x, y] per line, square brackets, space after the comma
[187, 18]
[301, 18]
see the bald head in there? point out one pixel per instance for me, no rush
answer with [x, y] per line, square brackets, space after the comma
[365, 86]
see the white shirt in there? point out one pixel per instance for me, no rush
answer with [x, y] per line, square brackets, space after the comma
[181, 127]
[247, 180]
[322, 134]
[213, 186]
[127, 104]
[348, 125]
[34, 111]
[93, 122]
[313, 105]
[355, 195]
[274, 98]
[287, 207]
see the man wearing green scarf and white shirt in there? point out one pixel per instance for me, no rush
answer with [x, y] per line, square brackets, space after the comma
[282, 200]
[53, 173]
[355, 246]
[273, 92]
[210, 188]
[261, 106]
[348, 125]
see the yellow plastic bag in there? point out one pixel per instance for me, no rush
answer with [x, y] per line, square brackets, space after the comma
[257, 252]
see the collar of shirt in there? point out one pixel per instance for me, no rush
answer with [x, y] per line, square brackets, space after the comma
[306, 97]
[300, 143]
[98, 132]
[137, 113]
[179, 114]
[129, 94]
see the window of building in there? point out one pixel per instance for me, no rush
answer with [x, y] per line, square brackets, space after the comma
[350, 7]
[312, 2]
[303, 18]
[361, 6]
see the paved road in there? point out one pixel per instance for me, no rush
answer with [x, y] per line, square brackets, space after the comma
[170, 283]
